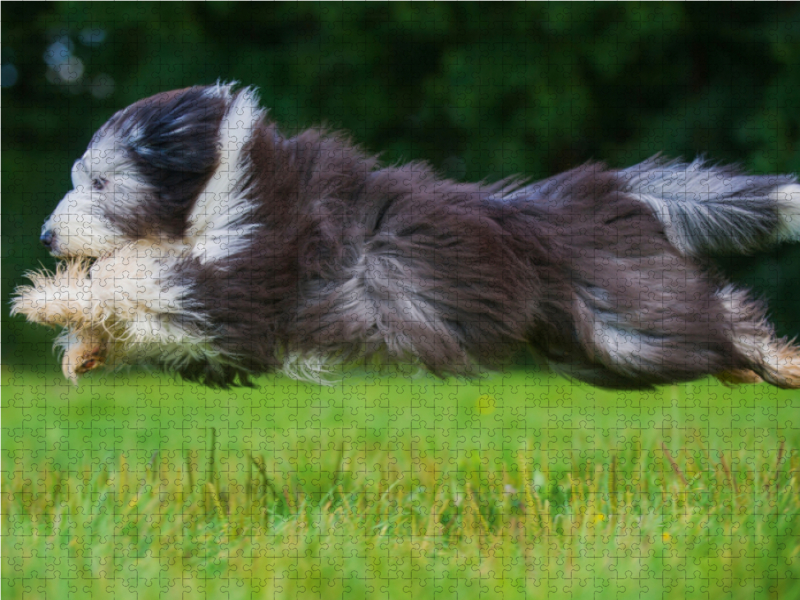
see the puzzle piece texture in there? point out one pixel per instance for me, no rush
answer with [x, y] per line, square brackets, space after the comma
[301, 353]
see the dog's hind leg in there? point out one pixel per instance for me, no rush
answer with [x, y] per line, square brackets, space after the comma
[651, 335]
[778, 364]
[774, 360]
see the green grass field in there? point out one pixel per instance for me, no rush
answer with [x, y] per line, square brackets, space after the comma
[516, 486]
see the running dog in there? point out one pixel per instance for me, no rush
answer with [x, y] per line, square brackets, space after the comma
[224, 249]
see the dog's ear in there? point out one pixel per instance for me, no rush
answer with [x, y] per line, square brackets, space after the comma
[177, 131]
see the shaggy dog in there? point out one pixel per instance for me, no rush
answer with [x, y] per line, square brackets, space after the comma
[225, 249]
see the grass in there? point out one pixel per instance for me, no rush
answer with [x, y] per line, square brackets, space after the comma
[516, 486]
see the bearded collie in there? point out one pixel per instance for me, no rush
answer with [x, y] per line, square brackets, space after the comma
[200, 239]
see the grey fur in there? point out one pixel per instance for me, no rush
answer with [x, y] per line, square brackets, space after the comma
[708, 209]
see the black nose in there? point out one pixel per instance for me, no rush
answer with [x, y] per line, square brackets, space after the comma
[47, 239]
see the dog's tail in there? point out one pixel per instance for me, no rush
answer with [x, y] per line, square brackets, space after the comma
[709, 209]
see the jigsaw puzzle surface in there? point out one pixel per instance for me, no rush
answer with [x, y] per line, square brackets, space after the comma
[288, 366]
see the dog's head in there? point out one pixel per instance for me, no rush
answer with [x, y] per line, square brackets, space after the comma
[146, 167]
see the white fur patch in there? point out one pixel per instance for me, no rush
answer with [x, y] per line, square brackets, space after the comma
[78, 228]
[788, 199]
[627, 350]
[78, 224]
[134, 287]
[218, 223]
[312, 368]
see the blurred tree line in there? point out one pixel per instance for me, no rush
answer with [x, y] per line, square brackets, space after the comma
[478, 90]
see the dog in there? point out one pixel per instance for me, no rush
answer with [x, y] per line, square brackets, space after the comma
[224, 249]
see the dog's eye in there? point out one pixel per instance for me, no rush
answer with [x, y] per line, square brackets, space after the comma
[98, 183]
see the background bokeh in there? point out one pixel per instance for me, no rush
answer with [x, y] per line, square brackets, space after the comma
[478, 90]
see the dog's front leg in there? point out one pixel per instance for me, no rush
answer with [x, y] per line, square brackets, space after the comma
[63, 298]
[84, 350]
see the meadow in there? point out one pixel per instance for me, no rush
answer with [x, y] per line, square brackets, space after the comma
[519, 485]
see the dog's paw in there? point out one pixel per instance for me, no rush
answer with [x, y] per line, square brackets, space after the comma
[84, 351]
[737, 376]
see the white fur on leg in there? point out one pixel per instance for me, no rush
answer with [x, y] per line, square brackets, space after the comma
[59, 298]
[128, 304]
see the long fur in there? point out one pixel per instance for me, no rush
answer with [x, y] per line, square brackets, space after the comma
[253, 251]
